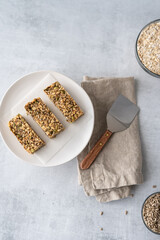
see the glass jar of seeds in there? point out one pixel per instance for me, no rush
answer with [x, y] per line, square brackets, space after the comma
[151, 212]
[148, 48]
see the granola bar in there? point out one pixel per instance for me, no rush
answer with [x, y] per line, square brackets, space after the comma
[25, 134]
[62, 99]
[44, 117]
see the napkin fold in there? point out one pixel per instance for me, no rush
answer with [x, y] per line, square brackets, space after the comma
[119, 164]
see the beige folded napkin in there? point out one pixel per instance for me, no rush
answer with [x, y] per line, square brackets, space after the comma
[119, 164]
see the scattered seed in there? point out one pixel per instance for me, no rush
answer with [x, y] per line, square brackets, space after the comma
[132, 194]
[101, 213]
[101, 229]
[154, 186]
[126, 212]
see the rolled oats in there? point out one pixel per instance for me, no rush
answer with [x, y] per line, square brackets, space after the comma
[148, 47]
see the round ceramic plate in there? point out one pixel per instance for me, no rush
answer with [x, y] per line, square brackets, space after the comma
[82, 134]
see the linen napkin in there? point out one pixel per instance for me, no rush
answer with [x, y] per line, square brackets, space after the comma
[119, 164]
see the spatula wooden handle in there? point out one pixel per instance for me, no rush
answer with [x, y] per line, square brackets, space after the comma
[91, 156]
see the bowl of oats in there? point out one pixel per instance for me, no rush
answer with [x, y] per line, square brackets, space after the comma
[148, 48]
[151, 212]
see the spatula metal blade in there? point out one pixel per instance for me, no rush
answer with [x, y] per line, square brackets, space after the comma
[121, 114]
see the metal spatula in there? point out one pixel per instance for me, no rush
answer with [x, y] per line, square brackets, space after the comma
[119, 118]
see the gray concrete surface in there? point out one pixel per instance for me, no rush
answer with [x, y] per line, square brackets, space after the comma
[76, 38]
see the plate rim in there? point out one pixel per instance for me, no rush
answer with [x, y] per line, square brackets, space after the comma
[46, 71]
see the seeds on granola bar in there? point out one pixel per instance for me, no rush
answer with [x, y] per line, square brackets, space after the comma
[44, 117]
[64, 102]
[25, 134]
[148, 47]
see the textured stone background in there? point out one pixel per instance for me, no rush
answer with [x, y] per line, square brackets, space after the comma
[76, 38]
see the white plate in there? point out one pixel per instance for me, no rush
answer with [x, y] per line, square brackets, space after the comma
[82, 135]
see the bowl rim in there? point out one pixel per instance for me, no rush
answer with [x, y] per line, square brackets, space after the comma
[136, 52]
[142, 212]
